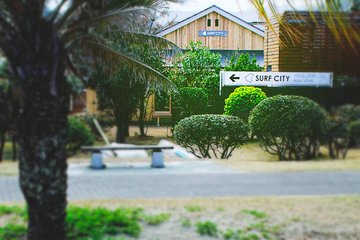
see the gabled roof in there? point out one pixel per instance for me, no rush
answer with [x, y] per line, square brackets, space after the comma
[207, 11]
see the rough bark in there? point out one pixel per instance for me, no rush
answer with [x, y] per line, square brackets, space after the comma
[43, 180]
[37, 66]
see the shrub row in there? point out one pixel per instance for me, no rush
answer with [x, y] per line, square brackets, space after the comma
[291, 127]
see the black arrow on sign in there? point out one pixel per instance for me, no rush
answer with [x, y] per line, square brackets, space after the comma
[233, 78]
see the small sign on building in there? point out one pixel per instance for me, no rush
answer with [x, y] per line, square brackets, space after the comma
[213, 33]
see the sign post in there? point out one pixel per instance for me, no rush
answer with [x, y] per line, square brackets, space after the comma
[276, 79]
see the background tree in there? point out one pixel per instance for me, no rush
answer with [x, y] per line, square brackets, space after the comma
[197, 67]
[40, 44]
[242, 62]
[122, 93]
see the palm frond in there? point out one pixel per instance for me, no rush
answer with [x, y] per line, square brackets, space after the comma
[153, 41]
[97, 54]
[335, 17]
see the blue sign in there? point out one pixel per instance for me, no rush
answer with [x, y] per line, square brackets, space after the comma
[212, 33]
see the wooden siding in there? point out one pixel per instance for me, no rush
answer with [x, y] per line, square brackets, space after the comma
[315, 49]
[91, 101]
[272, 47]
[239, 38]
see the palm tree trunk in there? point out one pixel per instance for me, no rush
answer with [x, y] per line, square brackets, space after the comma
[42, 93]
[42, 162]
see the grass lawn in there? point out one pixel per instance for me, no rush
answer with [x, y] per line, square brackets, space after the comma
[327, 218]
[251, 157]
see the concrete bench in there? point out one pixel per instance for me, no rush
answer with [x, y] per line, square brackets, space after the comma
[157, 160]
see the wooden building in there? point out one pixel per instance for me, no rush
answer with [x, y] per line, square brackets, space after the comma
[219, 30]
[309, 46]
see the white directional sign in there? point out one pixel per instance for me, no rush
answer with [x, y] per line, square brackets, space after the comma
[276, 79]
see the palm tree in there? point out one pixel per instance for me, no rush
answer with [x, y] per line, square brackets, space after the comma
[40, 44]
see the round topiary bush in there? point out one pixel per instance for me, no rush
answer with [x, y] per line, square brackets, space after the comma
[78, 134]
[211, 135]
[242, 101]
[188, 101]
[289, 126]
[355, 132]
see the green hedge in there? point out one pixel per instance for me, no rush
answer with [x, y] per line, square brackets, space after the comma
[78, 134]
[211, 135]
[355, 132]
[242, 101]
[188, 101]
[289, 126]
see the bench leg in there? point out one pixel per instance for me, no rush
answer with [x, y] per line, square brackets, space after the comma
[97, 161]
[157, 160]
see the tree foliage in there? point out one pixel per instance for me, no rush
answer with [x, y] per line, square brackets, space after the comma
[123, 93]
[197, 67]
[242, 62]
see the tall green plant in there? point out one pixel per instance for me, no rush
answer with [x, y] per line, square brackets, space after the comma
[197, 67]
[242, 62]
[123, 93]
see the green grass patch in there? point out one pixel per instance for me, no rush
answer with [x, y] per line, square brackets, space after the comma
[83, 223]
[207, 228]
[157, 219]
[12, 232]
[194, 208]
[7, 210]
[256, 214]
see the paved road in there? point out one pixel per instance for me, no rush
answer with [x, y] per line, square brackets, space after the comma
[206, 180]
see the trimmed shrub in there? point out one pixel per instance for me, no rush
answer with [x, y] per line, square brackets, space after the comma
[289, 126]
[211, 135]
[187, 102]
[78, 134]
[242, 101]
[355, 132]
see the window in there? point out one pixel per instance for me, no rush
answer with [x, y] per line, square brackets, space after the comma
[216, 22]
[209, 22]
